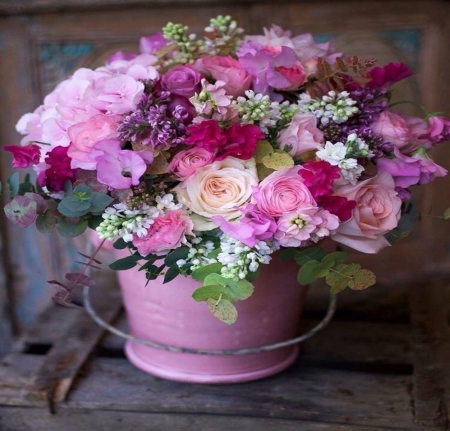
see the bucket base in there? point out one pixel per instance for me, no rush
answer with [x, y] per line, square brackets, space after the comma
[221, 376]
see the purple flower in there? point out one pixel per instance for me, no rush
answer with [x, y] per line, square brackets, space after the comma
[181, 81]
[152, 44]
[262, 63]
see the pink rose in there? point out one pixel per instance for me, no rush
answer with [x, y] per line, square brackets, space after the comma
[394, 128]
[301, 135]
[186, 162]
[167, 233]
[296, 75]
[281, 192]
[226, 69]
[25, 156]
[376, 213]
[181, 80]
[85, 135]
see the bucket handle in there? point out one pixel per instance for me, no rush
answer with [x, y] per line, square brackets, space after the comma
[93, 314]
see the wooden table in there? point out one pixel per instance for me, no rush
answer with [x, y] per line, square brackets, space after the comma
[382, 363]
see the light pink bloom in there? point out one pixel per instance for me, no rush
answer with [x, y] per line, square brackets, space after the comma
[301, 136]
[394, 128]
[281, 192]
[376, 213]
[117, 168]
[186, 162]
[305, 225]
[84, 136]
[228, 70]
[296, 75]
[167, 233]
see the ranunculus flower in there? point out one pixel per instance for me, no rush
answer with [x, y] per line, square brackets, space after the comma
[181, 80]
[376, 213]
[394, 128]
[167, 233]
[186, 162]
[227, 69]
[281, 192]
[220, 188]
[59, 171]
[24, 156]
[301, 136]
[85, 135]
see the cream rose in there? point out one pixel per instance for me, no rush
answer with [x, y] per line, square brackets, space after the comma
[220, 188]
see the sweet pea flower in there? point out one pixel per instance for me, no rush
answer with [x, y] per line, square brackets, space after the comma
[117, 168]
[377, 211]
[153, 43]
[167, 233]
[439, 129]
[301, 136]
[24, 156]
[387, 75]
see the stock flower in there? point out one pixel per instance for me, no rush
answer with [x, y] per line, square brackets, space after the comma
[24, 156]
[377, 212]
[167, 232]
[301, 136]
[220, 188]
[281, 192]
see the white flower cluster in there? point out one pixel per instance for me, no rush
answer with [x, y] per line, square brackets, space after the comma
[198, 254]
[344, 156]
[121, 221]
[334, 106]
[257, 108]
[238, 259]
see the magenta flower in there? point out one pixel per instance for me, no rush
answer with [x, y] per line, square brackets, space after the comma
[241, 141]
[117, 168]
[439, 129]
[319, 177]
[24, 157]
[181, 80]
[59, 171]
[206, 134]
[389, 74]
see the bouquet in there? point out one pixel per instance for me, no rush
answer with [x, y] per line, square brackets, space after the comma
[204, 155]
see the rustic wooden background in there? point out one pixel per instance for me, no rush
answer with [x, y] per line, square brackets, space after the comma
[43, 41]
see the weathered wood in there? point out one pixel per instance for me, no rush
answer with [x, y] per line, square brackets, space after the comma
[71, 349]
[430, 307]
[13, 419]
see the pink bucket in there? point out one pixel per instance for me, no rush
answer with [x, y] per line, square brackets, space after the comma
[167, 314]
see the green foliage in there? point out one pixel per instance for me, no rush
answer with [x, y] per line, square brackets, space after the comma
[125, 263]
[201, 273]
[82, 200]
[69, 227]
[224, 310]
[315, 263]
[14, 184]
[175, 255]
[22, 211]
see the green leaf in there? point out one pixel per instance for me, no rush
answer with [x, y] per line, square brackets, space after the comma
[287, 254]
[14, 184]
[125, 263]
[306, 272]
[99, 201]
[45, 223]
[69, 228]
[83, 189]
[322, 269]
[72, 206]
[26, 186]
[362, 279]
[223, 310]
[263, 149]
[447, 214]
[120, 244]
[252, 276]
[175, 255]
[200, 274]
[337, 258]
[171, 273]
[94, 221]
[348, 269]
[313, 253]
[336, 281]
[209, 292]
[236, 290]
[278, 160]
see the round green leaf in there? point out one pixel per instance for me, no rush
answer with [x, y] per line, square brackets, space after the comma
[362, 279]
[223, 310]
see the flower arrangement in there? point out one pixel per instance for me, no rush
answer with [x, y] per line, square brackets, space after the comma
[205, 155]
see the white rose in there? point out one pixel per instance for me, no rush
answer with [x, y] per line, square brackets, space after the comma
[218, 189]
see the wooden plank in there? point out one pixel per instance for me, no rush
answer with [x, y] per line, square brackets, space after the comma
[30, 419]
[301, 392]
[72, 348]
[430, 306]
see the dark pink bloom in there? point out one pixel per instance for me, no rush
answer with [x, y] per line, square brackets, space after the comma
[241, 141]
[206, 134]
[24, 157]
[319, 177]
[337, 205]
[59, 171]
[387, 75]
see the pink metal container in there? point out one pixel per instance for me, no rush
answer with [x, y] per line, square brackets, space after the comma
[167, 314]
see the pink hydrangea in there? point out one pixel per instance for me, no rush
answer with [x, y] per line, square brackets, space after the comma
[167, 233]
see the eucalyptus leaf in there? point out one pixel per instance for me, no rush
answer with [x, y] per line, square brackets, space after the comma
[120, 244]
[335, 258]
[362, 279]
[21, 211]
[46, 223]
[209, 292]
[72, 206]
[308, 254]
[125, 263]
[171, 273]
[306, 272]
[99, 201]
[68, 228]
[175, 255]
[223, 310]
[14, 184]
[200, 274]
